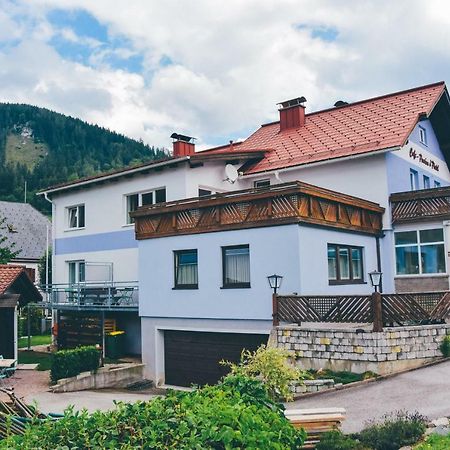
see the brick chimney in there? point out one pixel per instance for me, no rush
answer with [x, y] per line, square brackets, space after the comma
[182, 145]
[292, 113]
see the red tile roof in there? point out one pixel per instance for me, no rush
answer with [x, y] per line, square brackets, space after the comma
[362, 127]
[8, 274]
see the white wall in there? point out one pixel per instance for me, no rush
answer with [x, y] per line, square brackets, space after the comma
[273, 249]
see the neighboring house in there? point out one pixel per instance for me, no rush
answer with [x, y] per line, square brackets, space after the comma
[323, 237]
[29, 232]
[16, 290]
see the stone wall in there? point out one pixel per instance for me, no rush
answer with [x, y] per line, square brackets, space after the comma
[359, 351]
[421, 284]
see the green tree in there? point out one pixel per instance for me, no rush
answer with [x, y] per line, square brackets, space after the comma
[7, 252]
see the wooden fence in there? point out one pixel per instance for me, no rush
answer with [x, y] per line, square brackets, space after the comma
[379, 309]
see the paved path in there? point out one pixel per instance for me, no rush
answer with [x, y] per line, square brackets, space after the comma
[426, 390]
[91, 400]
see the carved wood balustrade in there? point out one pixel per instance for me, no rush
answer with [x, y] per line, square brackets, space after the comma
[281, 204]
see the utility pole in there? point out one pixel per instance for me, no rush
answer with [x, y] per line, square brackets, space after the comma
[25, 195]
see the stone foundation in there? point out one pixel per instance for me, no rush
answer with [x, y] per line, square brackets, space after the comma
[308, 386]
[359, 351]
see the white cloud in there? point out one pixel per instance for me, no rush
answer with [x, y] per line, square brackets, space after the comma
[231, 61]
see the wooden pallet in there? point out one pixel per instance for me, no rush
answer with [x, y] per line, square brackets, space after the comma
[316, 422]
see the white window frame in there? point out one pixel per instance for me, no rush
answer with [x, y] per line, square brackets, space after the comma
[414, 179]
[77, 263]
[423, 135]
[68, 214]
[418, 244]
[426, 180]
[128, 220]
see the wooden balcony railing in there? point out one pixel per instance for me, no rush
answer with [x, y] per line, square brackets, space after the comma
[424, 204]
[379, 309]
[281, 204]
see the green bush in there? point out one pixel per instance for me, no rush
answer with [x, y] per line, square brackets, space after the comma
[445, 346]
[335, 440]
[36, 315]
[68, 363]
[434, 442]
[235, 414]
[271, 366]
[396, 430]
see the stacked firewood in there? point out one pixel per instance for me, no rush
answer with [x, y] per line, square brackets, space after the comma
[15, 414]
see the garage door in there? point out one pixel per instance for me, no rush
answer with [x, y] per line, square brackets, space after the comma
[193, 357]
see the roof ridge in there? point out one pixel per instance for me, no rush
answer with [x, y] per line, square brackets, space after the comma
[367, 100]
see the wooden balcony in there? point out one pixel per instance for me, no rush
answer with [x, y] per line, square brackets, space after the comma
[425, 204]
[280, 204]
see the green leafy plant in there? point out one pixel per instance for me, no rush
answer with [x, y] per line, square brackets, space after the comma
[434, 442]
[445, 346]
[335, 440]
[271, 366]
[68, 363]
[235, 414]
[7, 252]
[396, 430]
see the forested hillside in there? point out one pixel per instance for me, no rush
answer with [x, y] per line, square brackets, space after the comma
[44, 148]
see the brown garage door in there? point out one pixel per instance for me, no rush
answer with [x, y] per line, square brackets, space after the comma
[193, 357]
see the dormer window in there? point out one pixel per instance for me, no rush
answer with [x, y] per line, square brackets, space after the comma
[423, 135]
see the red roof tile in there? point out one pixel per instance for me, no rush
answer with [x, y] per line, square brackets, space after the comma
[8, 274]
[361, 127]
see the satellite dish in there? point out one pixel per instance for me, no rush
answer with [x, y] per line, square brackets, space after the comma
[231, 173]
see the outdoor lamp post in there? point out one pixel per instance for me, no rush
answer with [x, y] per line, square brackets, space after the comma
[375, 279]
[377, 302]
[275, 283]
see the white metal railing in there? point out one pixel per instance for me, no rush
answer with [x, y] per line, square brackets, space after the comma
[98, 295]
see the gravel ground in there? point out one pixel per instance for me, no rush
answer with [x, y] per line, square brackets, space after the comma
[29, 382]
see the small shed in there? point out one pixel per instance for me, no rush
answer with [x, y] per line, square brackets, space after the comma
[16, 290]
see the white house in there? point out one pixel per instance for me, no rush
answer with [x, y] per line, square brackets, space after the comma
[355, 156]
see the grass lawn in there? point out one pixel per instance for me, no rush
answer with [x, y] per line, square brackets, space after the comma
[342, 377]
[31, 357]
[45, 339]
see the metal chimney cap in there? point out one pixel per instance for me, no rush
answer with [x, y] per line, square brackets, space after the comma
[182, 137]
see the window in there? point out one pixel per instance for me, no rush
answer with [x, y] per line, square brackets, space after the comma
[236, 266]
[423, 135]
[186, 269]
[134, 201]
[414, 179]
[204, 192]
[77, 272]
[420, 252]
[345, 264]
[76, 216]
[437, 184]
[426, 182]
[261, 183]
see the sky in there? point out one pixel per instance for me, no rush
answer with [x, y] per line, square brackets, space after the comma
[213, 69]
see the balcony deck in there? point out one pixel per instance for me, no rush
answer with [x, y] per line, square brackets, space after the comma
[421, 205]
[119, 296]
[280, 204]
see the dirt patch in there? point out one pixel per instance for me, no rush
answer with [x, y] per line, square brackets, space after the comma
[28, 382]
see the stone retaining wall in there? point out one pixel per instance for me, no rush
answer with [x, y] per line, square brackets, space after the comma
[309, 386]
[359, 351]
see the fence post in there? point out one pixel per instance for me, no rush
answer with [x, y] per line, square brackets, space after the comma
[275, 320]
[377, 309]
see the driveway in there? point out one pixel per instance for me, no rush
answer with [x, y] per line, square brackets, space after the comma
[425, 390]
[91, 400]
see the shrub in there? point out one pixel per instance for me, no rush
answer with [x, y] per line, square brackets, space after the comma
[335, 440]
[435, 442]
[68, 363]
[271, 366]
[396, 430]
[237, 413]
[445, 346]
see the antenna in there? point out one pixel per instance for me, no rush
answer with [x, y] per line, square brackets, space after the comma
[231, 173]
